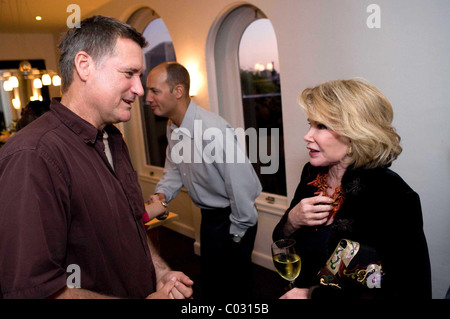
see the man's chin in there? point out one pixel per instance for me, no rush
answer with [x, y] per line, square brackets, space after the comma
[124, 120]
[156, 111]
[124, 117]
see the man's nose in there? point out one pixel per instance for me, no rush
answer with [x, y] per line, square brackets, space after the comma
[137, 87]
[149, 97]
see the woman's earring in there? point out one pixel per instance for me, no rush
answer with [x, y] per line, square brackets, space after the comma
[349, 150]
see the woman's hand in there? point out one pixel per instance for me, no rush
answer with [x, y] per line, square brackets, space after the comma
[311, 211]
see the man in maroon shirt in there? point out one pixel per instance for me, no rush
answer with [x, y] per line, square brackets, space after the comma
[70, 198]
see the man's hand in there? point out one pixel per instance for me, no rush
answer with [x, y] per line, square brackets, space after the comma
[160, 198]
[171, 284]
[182, 287]
[164, 291]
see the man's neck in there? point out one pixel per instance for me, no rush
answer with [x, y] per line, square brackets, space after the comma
[78, 107]
[178, 117]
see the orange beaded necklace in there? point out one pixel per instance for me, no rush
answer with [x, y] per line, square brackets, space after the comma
[338, 196]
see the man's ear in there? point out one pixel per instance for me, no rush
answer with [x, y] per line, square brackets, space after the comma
[179, 91]
[83, 64]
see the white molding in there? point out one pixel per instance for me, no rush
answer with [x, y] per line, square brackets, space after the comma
[277, 207]
[263, 260]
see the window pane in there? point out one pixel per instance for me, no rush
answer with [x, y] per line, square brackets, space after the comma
[160, 49]
[261, 98]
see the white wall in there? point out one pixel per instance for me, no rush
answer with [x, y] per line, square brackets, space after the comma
[408, 60]
[321, 40]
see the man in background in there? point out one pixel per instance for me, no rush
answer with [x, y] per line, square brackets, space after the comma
[222, 185]
[31, 112]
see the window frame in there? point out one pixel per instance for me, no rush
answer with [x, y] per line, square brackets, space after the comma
[134, 130]
[223, 75]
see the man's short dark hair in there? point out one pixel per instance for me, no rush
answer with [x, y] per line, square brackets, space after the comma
[177, 74]
[97, 36]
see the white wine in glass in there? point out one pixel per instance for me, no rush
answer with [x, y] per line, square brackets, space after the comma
[287, 262]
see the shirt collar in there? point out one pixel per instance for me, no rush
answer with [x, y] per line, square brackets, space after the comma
[188, 120]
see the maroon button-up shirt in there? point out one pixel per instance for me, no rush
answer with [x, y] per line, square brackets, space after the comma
[61, 203]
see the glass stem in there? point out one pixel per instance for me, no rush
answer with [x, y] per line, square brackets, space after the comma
[291, 285]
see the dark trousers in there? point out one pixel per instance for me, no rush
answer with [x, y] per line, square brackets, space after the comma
[226, 269]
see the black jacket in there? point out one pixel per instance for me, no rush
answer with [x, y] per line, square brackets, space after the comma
[379, 210]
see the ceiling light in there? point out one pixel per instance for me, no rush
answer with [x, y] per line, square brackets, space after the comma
[39, 18]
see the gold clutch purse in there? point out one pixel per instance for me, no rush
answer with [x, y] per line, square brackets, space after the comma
[352, 264]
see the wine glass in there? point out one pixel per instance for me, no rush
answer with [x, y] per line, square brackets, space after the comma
[287, 262]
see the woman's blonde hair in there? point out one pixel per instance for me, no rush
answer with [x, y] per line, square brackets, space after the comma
[356, 110]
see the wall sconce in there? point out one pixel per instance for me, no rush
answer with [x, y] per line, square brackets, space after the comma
[196, 80]
[26, 72]
[7, 86]
[46, 79]
[25, 82]
[36, 98]
[16, 103]
[37, 83]
[14, 81]
[56, 80]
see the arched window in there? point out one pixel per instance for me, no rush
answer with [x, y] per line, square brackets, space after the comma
[160, 49]
[249, 97]
[261, 101]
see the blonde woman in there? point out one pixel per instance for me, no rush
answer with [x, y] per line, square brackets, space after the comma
[347, 191]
